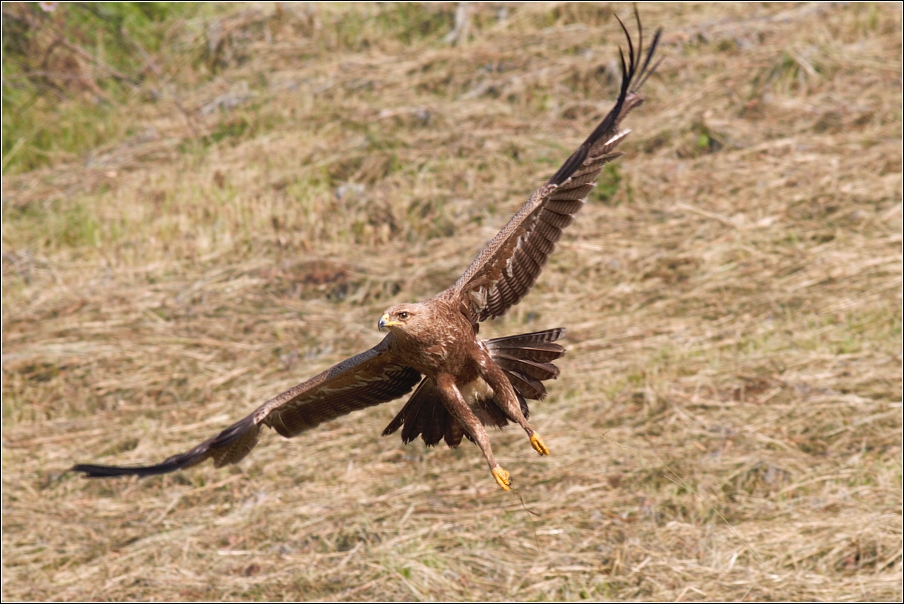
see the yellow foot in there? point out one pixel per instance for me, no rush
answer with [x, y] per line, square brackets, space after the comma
[503, 478]
[537, 443]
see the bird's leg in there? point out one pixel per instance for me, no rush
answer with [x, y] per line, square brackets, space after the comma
[460, 409]
[504, 396]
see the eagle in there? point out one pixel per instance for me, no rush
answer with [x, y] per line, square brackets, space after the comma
[463, 383]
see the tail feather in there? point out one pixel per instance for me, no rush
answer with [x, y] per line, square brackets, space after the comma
[526, 339]
[537, 347]
[438, 417]
[525, 385]
[538, 371]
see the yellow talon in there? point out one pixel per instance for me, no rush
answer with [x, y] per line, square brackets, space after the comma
[537, 443]
[503, 478]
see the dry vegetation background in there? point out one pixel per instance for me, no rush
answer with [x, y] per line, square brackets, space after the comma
[728, 420]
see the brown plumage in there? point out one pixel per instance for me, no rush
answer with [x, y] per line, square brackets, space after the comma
[465, 382]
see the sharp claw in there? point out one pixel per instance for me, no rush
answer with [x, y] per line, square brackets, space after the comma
[503, 478]
[537, 443]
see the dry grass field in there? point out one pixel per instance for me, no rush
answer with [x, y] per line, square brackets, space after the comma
[727, 424]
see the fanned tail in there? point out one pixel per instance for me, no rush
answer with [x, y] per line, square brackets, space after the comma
[526, 360]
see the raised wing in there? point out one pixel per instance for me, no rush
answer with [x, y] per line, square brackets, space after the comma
[507, 267]
[364, 380]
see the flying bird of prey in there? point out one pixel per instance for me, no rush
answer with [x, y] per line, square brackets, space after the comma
[463, 382]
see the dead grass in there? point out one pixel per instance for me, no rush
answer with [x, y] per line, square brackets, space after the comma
[728, 420]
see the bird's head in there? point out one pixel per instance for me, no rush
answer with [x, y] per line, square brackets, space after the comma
[400, 317]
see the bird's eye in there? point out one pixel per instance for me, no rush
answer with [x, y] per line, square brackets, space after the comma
[403, 315]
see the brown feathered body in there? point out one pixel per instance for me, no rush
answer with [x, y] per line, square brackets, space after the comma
[464, 382]
[439, 339]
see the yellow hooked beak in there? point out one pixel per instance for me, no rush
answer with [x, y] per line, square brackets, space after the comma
[385, 322]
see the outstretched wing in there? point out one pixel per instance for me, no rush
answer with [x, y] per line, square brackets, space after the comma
[364, 380]
[507, 267]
